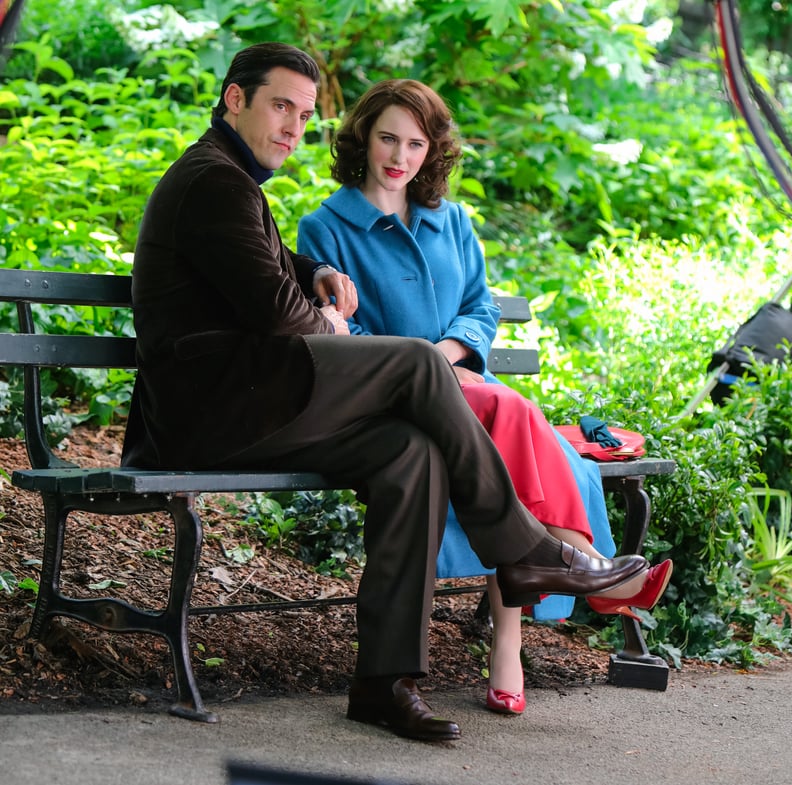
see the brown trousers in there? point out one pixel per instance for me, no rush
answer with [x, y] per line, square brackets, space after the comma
[387, 417]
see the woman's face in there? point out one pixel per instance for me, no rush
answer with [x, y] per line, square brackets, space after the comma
[397, 148]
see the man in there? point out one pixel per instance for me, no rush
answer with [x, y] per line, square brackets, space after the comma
[238, 368]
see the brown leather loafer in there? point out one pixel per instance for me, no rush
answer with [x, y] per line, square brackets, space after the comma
[519, 583]
[403, 711]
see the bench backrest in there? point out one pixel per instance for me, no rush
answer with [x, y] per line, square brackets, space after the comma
[33, 350]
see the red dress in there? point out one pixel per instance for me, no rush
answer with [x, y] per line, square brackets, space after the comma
[533, 455]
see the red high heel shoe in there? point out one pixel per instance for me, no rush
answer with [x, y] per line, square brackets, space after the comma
[655, 584]
[505, 702]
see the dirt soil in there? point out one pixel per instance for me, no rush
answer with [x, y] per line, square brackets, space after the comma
[304, 650]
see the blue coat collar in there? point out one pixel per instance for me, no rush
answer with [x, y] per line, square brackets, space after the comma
[349, 204]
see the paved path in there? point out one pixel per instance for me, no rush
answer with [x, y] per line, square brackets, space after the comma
[724, 729]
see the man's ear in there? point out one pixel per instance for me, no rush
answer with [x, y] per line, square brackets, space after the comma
[234, 98]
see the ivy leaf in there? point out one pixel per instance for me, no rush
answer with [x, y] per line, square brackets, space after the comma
[108, 583]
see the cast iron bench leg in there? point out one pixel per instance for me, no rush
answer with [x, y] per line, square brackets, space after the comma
[633, 666]
[49, 579]
[117, 615]
[187, 551]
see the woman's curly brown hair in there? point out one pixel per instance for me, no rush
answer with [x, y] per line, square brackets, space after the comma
[350, 144]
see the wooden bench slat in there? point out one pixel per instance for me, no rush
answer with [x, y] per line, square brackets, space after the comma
[514, 309]
[642, 467]
[74, 351]
[79, 480]
[513, 361]
[142, 481]
[65, 288]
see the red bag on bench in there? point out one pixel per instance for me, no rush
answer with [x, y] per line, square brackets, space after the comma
[632, 444]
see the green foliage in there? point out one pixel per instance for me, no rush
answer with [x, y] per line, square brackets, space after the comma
[767, 23]
[107, 583]
[57, 422]
[323, 528]
[209, 662]
[11, 420]
[163, 553]
[643, 315]
[106, 391]
[715, 607]
[9, 583]
[78, 164]
[81, 31]
[771, 550]
[81, 159]
[646, 320]
[268, 517]
[765, 395]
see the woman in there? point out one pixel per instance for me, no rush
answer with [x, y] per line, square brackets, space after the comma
[420, 272]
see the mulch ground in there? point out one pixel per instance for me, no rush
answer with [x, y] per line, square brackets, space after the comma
[304, 650]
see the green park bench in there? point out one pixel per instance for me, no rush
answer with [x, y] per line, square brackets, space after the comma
[66, 487]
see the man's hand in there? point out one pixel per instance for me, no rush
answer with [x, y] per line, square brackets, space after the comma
[336, 319]
[328, 282]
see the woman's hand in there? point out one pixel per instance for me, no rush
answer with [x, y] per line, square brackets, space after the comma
[454, 351]
[466, 376]
[329, 283]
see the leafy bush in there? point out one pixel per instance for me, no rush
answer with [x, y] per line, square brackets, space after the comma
[80, 31]
[9, 583]
[716, 606]
[82, 157]
[770, 553]
[765, 396]
[57, 422]
[632, 351]
[323, 528]
[78, 165]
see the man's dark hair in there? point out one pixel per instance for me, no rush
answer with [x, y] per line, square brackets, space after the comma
[250, 67]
